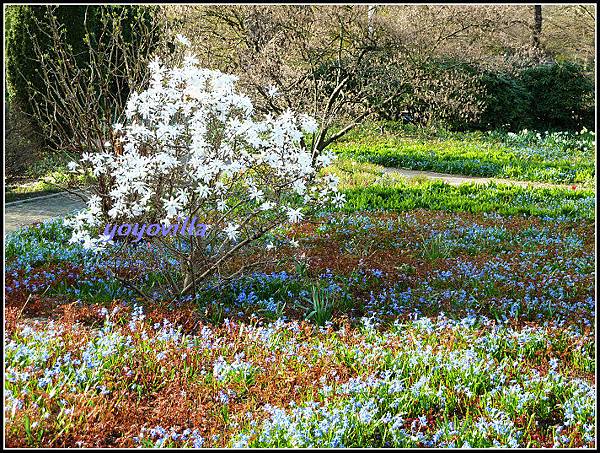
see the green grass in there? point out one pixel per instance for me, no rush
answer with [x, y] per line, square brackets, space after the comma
[555, 158]
[47, 176]
[26, 191]
[367, 188]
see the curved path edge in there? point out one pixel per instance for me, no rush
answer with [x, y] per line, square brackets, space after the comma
[33, 210]
[456, 180]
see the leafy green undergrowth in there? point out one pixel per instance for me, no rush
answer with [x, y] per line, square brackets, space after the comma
[503, 199]
[420, 329]
[47, 176]
[26, 191]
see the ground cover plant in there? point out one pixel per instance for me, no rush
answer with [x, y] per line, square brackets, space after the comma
[415, 314]
[416, 328]
[46, 176]
[553, 157]
[318, 298]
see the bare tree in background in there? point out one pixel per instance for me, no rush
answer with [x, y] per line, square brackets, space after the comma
[370, 14]
[537, 26]
[80, 102]
[340, 64]
[309, 55]
[85, 100]
[570, 32]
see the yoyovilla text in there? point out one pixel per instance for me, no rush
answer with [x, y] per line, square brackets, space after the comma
[138, 230]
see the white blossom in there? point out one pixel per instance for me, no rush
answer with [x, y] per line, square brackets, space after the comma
[339, 199]
[232, 231]
[256, 194]
[308, 124]
[266, 206]
[183, 40]
[172, 164]
[294, 215]
[172, 207]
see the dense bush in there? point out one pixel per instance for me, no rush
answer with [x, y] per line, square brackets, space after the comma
[21, 32]
[506, 100]
[562, 96]
[547, 96]
[432, 92]
[21, 145]
[461, 96]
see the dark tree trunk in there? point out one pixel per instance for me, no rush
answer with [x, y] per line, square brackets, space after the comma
[537, 26]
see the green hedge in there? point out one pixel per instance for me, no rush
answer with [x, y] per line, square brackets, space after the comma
[507, 102]
[562, 96]
[558, 96]
[22, 69]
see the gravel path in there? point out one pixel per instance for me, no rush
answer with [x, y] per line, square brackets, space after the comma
[27, 212]
[456, 180]
[33, 210]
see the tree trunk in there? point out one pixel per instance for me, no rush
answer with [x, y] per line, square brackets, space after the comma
[537, 26]
[370, 14]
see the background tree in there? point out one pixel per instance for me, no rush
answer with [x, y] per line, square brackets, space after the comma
[340, 64]
[71, 68]
[569, 33]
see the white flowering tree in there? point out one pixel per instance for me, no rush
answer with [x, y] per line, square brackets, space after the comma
[191, 146]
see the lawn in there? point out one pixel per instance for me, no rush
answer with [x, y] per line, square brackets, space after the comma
[558, 157]
[469, 323]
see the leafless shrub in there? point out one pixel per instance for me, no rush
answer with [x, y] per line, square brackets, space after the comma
[84, 100]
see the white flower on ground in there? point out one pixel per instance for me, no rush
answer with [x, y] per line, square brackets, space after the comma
[294, 215]
[339, 199]
[72, 166]
[183, 40]
[232, 231]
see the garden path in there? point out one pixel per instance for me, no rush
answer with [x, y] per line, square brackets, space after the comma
[456, 180]
[33, 210]
[38, 209]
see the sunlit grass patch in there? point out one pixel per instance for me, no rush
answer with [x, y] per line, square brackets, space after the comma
[556, 157]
